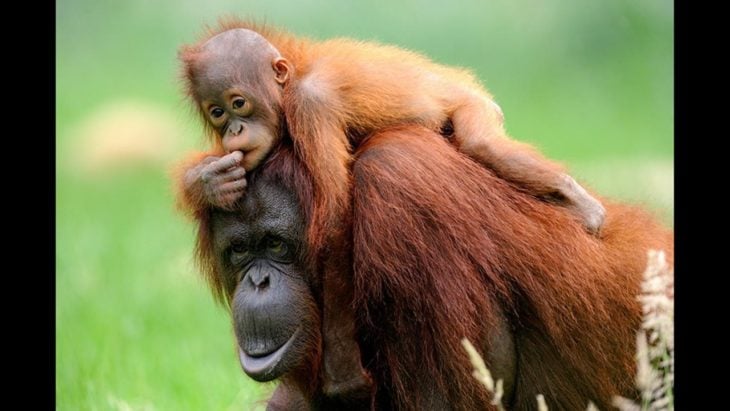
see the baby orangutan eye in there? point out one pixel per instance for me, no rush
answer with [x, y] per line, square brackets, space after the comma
[216, 112]
[242, 106]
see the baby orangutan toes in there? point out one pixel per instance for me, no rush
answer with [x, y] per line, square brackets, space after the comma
[590, 210]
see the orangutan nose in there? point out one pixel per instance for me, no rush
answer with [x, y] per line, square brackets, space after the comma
[258, 278]
[235, 129]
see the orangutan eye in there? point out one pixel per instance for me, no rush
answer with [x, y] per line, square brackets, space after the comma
[276, 246]
[239, 102]
[239, 252]
[216, 112]
[278, 250]
[242, 106]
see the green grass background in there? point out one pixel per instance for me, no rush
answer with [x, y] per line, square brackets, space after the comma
[590, 83]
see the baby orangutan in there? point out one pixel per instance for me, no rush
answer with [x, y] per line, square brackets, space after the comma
[334, 93]
[257, 88]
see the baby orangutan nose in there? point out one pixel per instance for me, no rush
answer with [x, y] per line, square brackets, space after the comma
[235, 128]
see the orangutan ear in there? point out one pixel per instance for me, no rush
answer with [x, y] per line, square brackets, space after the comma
[281, 68]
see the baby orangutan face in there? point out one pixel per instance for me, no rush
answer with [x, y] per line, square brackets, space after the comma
[237, 78]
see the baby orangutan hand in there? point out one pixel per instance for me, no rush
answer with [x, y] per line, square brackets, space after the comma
[220, 181]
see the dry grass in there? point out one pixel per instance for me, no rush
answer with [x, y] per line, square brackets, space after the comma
[655, 340]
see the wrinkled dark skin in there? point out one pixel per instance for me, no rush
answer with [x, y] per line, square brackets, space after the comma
[260, 253]
[259, 248]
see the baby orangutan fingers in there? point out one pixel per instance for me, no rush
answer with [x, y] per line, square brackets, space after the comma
[225, 189]
[221, 181]
[228, 193]
[209, 160]
[233, 174]
[232, 187]
[221, 165]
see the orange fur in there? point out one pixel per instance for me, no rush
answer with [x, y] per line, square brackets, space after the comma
[441, 243]
[434, 260]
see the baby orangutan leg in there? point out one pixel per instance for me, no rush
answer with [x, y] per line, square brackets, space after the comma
[479, 133]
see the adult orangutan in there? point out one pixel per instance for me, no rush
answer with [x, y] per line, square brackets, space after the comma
[442, 249]
[249, 82]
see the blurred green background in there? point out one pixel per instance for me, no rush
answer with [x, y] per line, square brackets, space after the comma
[590, 83]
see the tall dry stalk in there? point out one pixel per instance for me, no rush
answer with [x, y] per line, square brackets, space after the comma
[654, 346]
[655, 340]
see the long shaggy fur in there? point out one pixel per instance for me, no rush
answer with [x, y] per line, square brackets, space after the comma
[440, 242]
